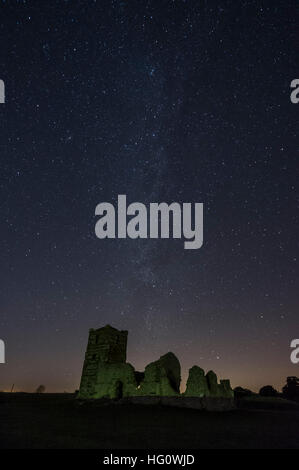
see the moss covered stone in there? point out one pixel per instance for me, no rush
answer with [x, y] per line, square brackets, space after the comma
[197, 385]
[201, 385]
[105, 346]
[212, 384]
[115, 381]
[162, 377]
[107, 374]
[225, 389]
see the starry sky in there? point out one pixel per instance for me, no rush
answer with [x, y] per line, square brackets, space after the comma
[176, 100]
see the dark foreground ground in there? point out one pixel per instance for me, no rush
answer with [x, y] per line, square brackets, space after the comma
[61, 422]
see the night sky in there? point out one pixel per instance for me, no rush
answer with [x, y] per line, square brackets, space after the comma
[182, 100]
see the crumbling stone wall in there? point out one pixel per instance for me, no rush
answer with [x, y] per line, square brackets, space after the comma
[197, 384]
[162, 377]
[212, 384]
[226, 390]
[201, 385]
[115, 381]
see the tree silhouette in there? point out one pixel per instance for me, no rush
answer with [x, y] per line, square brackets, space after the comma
[268, 391]
[241, 392]
[291, 389]
[40, 389]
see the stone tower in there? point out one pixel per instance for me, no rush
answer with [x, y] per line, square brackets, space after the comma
[105, 346]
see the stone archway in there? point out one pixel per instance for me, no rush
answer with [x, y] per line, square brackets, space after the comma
[119, 389]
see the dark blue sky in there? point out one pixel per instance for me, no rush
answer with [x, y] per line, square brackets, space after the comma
[184, 101]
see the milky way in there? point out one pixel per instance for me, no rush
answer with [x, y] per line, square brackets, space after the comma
[185, 101]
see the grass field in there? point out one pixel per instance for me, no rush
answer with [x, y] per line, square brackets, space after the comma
[61, 422]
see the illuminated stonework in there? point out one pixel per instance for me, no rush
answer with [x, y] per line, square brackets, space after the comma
[106, 374]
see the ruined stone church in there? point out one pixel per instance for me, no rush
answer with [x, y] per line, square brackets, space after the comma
[107, 374]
